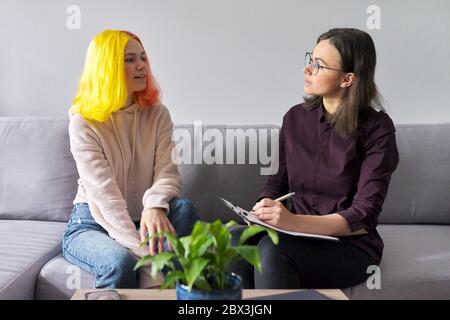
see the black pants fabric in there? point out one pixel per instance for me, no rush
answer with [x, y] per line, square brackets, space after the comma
[300, 262]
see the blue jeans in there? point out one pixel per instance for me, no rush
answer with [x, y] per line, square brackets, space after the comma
[87, 245]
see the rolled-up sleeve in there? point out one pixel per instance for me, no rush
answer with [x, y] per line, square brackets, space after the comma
[166, 182]
[380, 161]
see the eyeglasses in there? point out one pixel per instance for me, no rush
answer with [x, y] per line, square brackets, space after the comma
[315, 66]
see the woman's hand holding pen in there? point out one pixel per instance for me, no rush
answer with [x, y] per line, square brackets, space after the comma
[154, 220]
[274, 213]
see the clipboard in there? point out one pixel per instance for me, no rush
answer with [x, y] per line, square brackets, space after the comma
[252, 218]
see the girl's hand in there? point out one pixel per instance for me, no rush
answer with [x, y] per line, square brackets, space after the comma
[154, 220]
[274, 213]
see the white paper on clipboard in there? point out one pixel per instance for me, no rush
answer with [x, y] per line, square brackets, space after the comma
[249, 216]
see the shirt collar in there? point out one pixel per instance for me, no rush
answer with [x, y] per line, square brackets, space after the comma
[320, 113]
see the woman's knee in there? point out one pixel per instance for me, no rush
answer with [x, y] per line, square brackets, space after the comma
[119, 271]
[183, 208]
[236, 233]
[271, 252]
[182, 215]
[268, 251]
[124, 262]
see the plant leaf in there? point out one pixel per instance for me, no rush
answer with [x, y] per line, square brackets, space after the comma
[144, 242]
[148, 237]
[221, 235]
[273, 235]
[204, 255]
[175, 243]
[249, 232]
[253, 230]
[195, 270]
[161, 260]
[199, 248]
[202, 284]
[251, 254]
[144, 261]
[211, 256]
[228, 256]
[186, 243]
[200, 239]
[231, 224]
[199, 236]
[200, 228]
[170, 279]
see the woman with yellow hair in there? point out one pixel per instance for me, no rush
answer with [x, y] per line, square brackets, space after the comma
[120, 138]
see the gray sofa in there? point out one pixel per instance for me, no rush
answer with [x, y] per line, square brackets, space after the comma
[38, 181]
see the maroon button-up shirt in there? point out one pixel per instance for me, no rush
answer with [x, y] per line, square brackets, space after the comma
[330, 174]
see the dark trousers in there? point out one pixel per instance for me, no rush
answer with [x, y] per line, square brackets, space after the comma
[299, 262]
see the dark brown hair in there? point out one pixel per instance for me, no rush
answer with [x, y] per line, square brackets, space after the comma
[358, 56]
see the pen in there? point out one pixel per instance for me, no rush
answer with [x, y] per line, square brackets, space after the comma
[287, 196]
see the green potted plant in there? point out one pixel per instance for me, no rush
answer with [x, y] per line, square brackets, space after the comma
[198, 264]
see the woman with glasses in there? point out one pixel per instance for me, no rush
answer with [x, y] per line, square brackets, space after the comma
[337, 153]
[120, 137]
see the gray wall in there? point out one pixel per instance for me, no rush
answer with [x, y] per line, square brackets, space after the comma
[231, 62]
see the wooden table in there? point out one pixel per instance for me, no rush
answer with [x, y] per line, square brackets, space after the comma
[169, 294]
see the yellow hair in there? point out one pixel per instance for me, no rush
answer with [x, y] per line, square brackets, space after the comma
[102, 87]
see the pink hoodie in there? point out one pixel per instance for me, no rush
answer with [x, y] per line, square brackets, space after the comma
[125, 166]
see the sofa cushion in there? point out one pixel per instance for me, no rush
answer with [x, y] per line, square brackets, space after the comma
[25, 247]
[37, 165]
[415, 264]
[37, 171]
[420, 184]
[60, 279]
[408, 272]
[248, 154]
